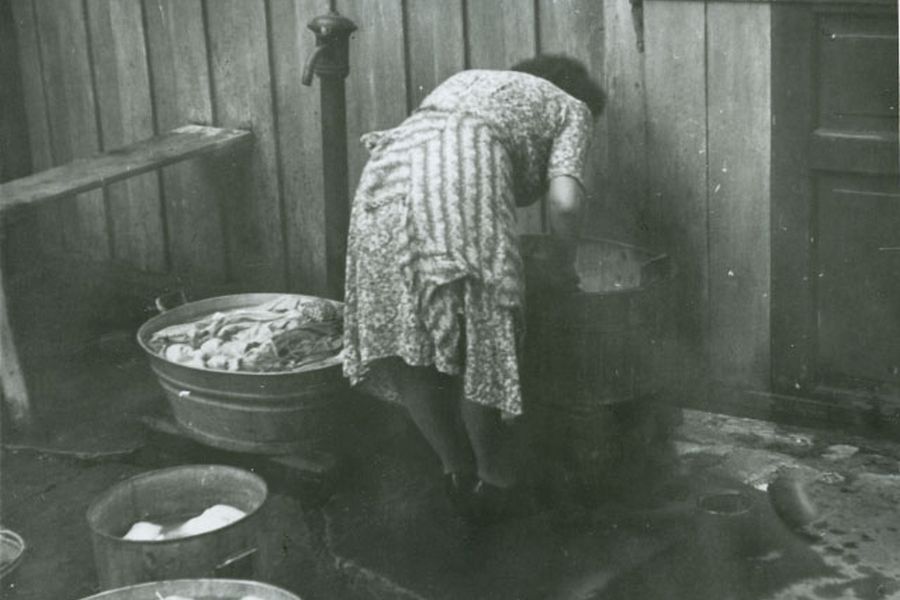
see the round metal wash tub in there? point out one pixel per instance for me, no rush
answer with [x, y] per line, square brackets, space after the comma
[12, 548]
[265, 413]
[589, 353]
[177, 494]
[590, 346]
[197, 589]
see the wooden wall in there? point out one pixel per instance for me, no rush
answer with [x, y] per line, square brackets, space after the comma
[681, 160]
[15, 155]
[708, 69]
[97, 74]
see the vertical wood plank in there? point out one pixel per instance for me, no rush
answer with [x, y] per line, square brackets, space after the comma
[624, 195]
[376, 88]
[47, 217]
[126, 115]
[436, 44]
[793, 315]
[181, 93]
[32, 84]
[299, 140]
[500, 34]
[677, 171]
[242, 96]
[15, 155]
[576, 28]
[73, 120]
[739, 156]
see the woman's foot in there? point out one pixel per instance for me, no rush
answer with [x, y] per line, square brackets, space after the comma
[492, 504]
[459, 487]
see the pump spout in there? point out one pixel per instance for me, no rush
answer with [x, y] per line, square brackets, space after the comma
[310, 68]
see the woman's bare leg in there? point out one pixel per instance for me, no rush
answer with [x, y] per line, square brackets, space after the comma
[489, 439]
[433, 406]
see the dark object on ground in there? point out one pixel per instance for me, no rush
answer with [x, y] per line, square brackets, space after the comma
[459, 488]
[493, 505]
[789, 499]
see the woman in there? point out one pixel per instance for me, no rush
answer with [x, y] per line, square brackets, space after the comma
[434, 288]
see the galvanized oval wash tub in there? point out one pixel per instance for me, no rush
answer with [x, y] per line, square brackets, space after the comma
[170, 495]
[197, 589]
[266, 413]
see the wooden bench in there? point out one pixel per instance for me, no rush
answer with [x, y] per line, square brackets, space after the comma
[78, 176]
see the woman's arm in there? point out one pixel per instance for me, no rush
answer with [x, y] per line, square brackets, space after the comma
[565, 199]
[565, 166]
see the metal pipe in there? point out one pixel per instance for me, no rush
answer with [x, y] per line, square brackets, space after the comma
[334, 170]
[331, 62]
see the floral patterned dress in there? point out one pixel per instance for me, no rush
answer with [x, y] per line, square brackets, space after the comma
[434, 275]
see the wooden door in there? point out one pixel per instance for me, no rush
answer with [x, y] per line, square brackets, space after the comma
[836, 203]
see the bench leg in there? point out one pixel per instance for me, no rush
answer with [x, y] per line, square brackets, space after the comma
[15, 394]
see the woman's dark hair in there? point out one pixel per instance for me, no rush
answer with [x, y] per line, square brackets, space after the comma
[568, 74]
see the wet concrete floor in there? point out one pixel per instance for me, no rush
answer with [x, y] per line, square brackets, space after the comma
[383, 529]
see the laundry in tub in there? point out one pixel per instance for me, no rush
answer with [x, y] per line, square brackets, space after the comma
[158, 597]
[214, 517]
[186, 598]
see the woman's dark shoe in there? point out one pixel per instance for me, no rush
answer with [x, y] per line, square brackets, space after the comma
[492, 504]
[459, 488]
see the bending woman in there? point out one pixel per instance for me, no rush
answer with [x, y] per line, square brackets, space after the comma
[434, 284]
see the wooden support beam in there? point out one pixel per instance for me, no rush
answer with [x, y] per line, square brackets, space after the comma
[81, 175]
[15, 394]
[87, 173]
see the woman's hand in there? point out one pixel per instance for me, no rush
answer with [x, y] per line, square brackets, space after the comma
[565, 198]
[550, 262]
